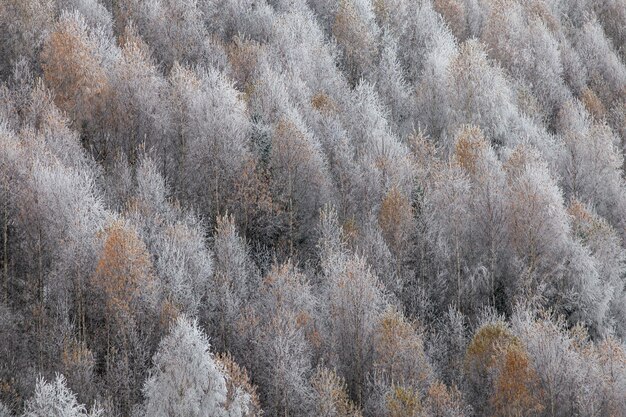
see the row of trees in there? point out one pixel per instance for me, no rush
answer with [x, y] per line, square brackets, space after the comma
[353, 208]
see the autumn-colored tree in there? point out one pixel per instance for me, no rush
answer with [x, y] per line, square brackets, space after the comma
[482, 360]
[443, 401]
[241, 395]
[332, 397]
[123, 274]
[397, 222]
[517, 391]
[355, 30]
[593, 104]
[453, 11]
[404, 402]
[399, 352]
[300, 182]
[73, 65]
[257, 215]
[124, 303]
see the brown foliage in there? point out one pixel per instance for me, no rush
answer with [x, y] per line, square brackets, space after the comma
[396, 220]
[517, 392]
[453, 11]
[496, 361]
[400, 351]
[442, 401]
[237, 381]
[124, 273]
[72, 69]
[332, 395]
[355, 39]
[322, 102]
[243, 55]
[587, 226]
[77, 364]
[593, 104]
[256, 211]
[404, 402]
[470, 145]
[483, 351]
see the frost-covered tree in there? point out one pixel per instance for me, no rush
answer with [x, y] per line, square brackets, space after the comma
[606, 71]
[567, 365]
[55, 399]
[356, 32]
[393, 88]
[606, 248]
[447, 221]
[284, 333]
[433, 105]
[235, 284]
[591, 162]
[24, 26]
[211, 129]
[332, 399]
[300, 182]
[186, 379]
[522, 39]
[472, 101]
[487, 209]
[354, 301]
[137, 114]
[540, 237]
[174, 29]
[175, 239]
[95, 13]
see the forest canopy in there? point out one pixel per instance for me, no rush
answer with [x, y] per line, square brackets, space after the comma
[334, 208]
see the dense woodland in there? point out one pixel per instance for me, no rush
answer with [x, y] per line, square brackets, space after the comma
[334, 208]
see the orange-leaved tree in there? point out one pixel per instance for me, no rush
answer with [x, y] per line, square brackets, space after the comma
[72, 60]
[124, 314]
[500, 376]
